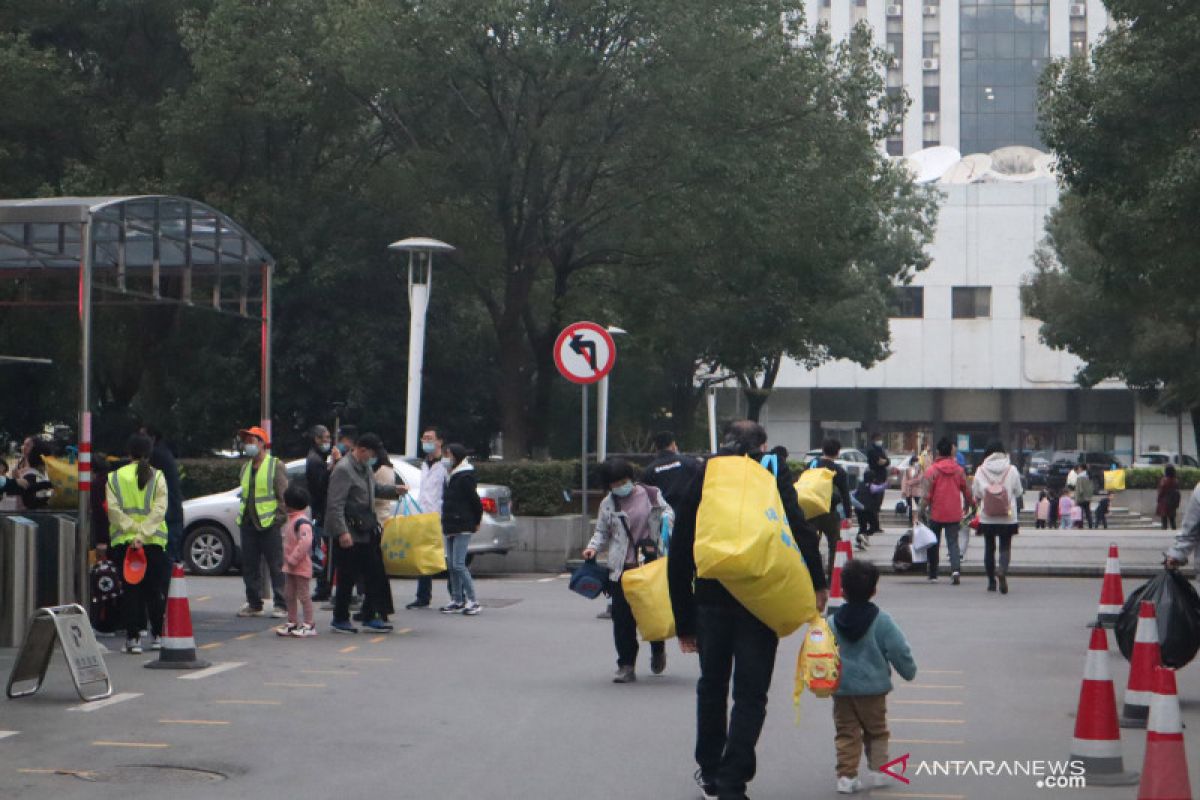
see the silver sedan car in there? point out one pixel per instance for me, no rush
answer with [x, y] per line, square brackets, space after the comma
[212, 541]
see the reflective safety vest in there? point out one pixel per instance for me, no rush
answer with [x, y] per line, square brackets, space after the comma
[135, 501]
[265, 503]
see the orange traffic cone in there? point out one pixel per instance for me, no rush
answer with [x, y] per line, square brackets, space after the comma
[843, 554]
[178, 645]
[1146, 658]
[1112, 595]
[1164, 771]
[1097, 741]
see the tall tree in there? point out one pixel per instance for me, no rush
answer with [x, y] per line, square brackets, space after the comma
[1115, 278]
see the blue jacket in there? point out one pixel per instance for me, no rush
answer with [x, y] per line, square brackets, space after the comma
[868, 642]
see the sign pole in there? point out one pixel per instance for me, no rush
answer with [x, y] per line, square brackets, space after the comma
[583, 516]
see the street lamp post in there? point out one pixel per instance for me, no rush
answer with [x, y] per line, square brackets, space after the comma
[420, 273]
[602, 407]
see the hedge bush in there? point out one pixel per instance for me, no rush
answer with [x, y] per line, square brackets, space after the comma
[1148, 478]
[203, 476]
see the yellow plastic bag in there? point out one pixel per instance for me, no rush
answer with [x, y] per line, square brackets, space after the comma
[815, 491]
[413, 546]
[818, 664]
[1114, 480]
[64, 475]
[650, 600]
[743, 540]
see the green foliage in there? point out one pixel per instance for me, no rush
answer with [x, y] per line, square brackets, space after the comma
[1148, 478]
[1115, 279]
[205, 476]
[537, 486]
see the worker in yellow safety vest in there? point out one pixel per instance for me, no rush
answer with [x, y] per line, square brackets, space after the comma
[137, 512]
[262, 512]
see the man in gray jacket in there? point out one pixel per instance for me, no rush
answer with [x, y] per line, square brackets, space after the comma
[352, 526]
[1189, 533]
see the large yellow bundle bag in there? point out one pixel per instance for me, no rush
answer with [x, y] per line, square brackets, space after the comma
[815, 491]
[743, 540]
[650, 600]
[1114, 480]
[412, 543]
[64, 476]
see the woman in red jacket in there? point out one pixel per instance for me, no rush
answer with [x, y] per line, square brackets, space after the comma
[1168, 497]
[944, 496]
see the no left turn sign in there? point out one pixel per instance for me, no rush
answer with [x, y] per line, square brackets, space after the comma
[584, 352]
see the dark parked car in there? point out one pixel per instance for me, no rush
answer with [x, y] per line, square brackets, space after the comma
[1064, 461]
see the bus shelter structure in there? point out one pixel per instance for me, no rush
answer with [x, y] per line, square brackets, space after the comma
[145, 249]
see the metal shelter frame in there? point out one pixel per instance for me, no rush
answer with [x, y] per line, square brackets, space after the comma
[147, 249]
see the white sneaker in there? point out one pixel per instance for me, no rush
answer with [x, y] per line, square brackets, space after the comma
[278, 613]
[848, 785]
[472, 608]
[133, 645]
[303, 631]
[286, 630]
[249, 611]
[156, 643]
[878, 780]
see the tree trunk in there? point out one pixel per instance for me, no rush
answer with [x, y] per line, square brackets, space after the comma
[1195, 413]
[512, 395]
[755, 400]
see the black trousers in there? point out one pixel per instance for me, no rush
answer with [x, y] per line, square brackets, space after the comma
[1087, 513]
[143, 605]
[829, 526]
[625, 628]
[733, 644]
[378, 598]
[357, 563]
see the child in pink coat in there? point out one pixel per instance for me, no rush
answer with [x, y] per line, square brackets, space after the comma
[297, 565]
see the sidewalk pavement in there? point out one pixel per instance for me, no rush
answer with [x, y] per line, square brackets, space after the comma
[1051, 552]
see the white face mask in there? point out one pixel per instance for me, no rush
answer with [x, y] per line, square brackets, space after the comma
[251, 450]
[448, 464]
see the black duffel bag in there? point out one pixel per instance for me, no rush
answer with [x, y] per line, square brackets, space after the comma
[1177, 613]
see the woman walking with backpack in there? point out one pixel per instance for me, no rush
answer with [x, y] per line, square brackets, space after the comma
[997, 488]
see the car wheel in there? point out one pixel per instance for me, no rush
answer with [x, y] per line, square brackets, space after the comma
[208, 550]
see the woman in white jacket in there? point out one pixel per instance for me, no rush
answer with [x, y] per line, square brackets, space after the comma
[997, 490]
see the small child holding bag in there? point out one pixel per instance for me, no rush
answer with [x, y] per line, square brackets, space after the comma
[297, 565]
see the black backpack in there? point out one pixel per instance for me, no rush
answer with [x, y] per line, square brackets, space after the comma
[107, 588]
[902, 560]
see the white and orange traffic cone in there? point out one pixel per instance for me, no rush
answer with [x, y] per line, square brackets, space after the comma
[1097, 740]
[1145, 659]
[1112, 595]
[178, 644]
[1164, 770]
[843, 554]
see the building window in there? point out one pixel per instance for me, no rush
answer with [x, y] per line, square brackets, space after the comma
[908, 302]
[928, 143]
[971, 302]
[895, 147]
[1079, 43]
[1004, 45]
[931, 99]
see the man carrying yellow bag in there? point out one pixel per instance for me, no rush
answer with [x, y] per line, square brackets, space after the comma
[738, 538]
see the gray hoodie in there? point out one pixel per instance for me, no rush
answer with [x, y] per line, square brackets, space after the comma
[997, 469]
[1189, 533]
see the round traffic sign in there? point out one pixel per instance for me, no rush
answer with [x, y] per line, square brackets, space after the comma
[584, 352]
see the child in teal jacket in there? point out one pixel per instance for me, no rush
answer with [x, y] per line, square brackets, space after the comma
[870, 644]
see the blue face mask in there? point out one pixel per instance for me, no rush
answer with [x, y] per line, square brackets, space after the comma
[372, 461]
[428, 447]
[343, 448]
[251, 450]
[3, 481]
[624, 490]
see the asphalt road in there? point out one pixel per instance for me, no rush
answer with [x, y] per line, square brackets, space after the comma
[518, 703]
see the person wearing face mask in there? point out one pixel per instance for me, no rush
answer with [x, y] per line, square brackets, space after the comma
[462, 511]
[264, 480]
[429, 498]
[628, 526]
[316, 477]
[355, 532]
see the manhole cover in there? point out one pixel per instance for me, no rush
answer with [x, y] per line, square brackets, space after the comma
[497, 603]
[158, 774]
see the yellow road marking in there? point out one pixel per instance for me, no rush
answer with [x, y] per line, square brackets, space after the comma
[328, 672]
[349, 649]
[245, 636]
[203, 599]
[297, 685]
[928, 702]
[378, 639]
[32, 771]
[210, 645]
[194, 722]
[941, 672]
[933, 686]
[931, 721]
[250, 702]
[921, 796]
[143, 745]
[927, 741]
[365, 658]
[404, 630]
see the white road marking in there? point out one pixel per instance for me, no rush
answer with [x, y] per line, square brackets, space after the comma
[96, 705]
[215, 669]
[6, 734]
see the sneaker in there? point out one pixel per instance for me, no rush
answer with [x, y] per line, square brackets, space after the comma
[991, 584]
[848, 785]
[416, 604]
[625, 675]
[286, 630]
[378, 626]
[707, 786]
[134, 646]
[1003, 584]
[156, 643]
[877, 780]
[658, 661]
[250, 611]
[278, 613]
[954, 578]
[933, 579]
[303, 631]
[605, 614]
[343, 627]
[452, 608]
[472, 608]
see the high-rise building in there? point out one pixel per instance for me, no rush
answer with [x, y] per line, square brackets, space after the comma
[970, 67]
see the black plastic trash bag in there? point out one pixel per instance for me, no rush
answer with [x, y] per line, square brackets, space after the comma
[1177, 611]
[902, 559]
